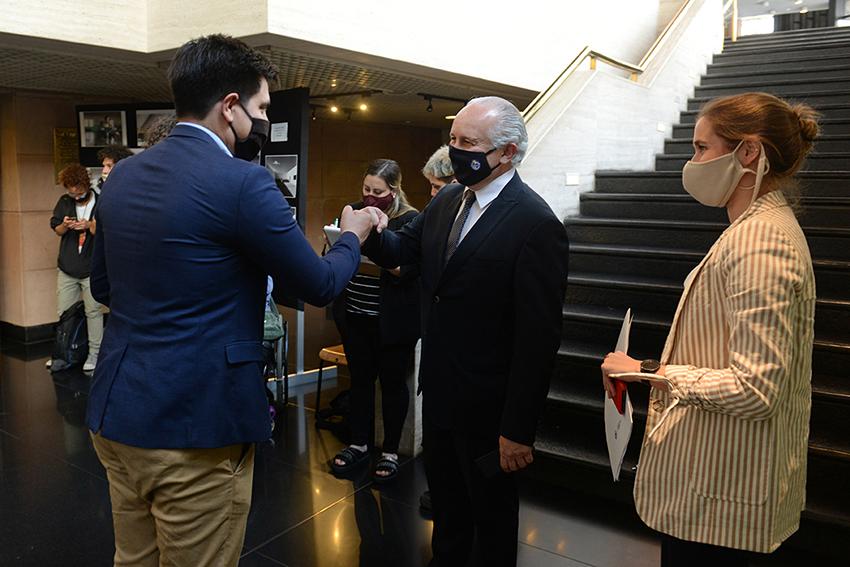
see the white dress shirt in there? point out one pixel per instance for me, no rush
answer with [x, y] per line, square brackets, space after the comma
[483, 198]
[219, 142]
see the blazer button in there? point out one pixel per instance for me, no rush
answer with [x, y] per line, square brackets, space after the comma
[436, 299]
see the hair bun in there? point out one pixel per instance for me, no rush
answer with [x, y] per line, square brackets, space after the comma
[808, 118]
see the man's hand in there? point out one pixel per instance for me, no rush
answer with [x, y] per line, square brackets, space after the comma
[514, 456]
[362, 222]
[379, 218]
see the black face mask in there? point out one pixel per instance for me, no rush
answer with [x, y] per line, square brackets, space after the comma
[247, 148]
[470, 167]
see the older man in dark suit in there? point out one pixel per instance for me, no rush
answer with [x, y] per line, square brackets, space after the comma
[493, 260]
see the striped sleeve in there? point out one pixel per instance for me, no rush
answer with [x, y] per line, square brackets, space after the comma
[763, 271]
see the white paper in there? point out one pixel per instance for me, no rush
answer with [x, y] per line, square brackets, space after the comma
[618, 427]
[332, 232]
[280, 132]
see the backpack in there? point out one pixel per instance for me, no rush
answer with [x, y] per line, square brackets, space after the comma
[72, 338]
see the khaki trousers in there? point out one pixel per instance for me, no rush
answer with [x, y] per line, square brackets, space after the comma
[178, 507]
[70, 290]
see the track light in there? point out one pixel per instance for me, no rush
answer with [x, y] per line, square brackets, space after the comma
[334, 108]
[430, 107]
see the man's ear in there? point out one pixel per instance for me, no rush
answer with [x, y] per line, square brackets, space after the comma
[227, 106]
[509, 151]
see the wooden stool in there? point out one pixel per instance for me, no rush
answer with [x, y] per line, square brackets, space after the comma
[335, 355]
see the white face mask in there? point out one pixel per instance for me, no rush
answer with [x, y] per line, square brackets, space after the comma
[712, 182]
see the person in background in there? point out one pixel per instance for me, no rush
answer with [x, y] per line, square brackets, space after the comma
[73, 220]
[438, 170]
[108, 156]
[160, 130]
[439, 173]
[722, 469]
[378, 318]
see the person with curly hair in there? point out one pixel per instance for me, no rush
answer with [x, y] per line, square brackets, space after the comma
[74, 222]
[108, 157]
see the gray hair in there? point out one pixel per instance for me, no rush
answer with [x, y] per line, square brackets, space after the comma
[508, 126]
[439, 165]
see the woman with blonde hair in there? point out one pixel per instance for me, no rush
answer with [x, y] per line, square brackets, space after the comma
[722, 470]
[378, 319]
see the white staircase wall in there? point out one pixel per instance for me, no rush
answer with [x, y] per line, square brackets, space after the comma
[602, 120]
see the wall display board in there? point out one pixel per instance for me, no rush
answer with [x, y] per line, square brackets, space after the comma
[125, 124]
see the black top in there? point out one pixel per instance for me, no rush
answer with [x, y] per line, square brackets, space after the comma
[73, 261]
[398, 303]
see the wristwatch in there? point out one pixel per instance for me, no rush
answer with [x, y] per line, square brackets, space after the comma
[650, 366]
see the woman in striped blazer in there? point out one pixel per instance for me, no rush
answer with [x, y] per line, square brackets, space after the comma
[722, 468]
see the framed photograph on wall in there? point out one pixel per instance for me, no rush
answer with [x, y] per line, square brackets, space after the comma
[147, 119]
[284, 168]
[100, 128]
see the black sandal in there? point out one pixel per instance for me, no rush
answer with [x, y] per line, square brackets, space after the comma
[388, 466]
[351, 457]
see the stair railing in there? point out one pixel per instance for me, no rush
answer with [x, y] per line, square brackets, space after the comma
[732, 5]
[634, 70]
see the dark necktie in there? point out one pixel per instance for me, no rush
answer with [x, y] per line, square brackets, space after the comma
[457, 227]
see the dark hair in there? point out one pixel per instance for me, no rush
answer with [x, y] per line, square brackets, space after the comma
[74, 175]
[160, 130]
[206, 69]
[114, 152]
[390, 172]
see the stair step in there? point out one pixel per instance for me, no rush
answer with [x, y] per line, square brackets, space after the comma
[826, 243]
[823, 211]
[784, 87]
[835, 110]
[817, 161]
[789, 63]
[812, 183]
[661, 295]
[813, 98]
[789, 34]
[801, 53]
[840, 71]
[825, 501]
[827, 143]
[787, 44]
[832, 276]
[829, 127]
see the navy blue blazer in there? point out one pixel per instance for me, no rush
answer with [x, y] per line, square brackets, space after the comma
[491, 315]
[186, 237]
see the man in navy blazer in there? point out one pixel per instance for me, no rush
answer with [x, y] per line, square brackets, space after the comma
[493, 268]
[187, 235]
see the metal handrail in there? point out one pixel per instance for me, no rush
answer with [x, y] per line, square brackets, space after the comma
[595, 56]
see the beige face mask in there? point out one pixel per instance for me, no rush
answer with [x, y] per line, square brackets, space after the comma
[712, 182]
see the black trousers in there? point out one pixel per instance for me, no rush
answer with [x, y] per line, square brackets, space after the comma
[476, 516]
[679, 553]
[368, 360]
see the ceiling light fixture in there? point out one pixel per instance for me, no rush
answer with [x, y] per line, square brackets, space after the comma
[804, 10]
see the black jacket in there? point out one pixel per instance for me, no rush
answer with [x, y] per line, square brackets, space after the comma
[71, 261]
[492, 315]
[399, 303]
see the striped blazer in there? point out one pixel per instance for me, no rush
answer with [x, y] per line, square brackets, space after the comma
[723, 459]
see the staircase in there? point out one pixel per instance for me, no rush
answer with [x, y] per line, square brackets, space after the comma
[639, 234]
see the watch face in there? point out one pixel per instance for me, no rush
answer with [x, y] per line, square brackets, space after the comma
[650, 366]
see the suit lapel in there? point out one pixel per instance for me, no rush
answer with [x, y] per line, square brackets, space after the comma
[491, 218]
[444, 223]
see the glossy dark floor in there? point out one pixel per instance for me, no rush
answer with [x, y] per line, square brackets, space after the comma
[54, 503]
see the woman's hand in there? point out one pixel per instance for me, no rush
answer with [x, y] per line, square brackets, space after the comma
[618, 363]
